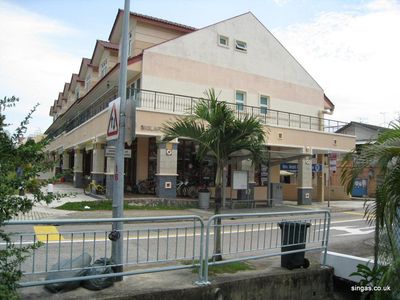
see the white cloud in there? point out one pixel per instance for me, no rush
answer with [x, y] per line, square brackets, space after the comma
[32, 66]
[354, 55]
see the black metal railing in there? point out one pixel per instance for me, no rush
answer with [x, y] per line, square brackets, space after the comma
[181, 104]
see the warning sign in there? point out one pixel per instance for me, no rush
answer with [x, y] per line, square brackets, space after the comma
[113, 120]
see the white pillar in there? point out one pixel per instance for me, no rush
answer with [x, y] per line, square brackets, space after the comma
[78, 169]
[304, 188]
[98, 163]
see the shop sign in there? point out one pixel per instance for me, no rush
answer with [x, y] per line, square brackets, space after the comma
[110, 152]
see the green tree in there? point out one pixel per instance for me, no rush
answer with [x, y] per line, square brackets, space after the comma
[219, 133]
[29, 159]
[384, 212]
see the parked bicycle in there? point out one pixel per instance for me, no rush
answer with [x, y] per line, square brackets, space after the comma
[147, 186]
[186, 189]
[93, 188]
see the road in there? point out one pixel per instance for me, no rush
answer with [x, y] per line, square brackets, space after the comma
[145, 243]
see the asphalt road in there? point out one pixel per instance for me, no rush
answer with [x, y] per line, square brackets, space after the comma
[146, 243]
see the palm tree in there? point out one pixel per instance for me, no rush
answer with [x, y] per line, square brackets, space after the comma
[385, 210]
[219, 134]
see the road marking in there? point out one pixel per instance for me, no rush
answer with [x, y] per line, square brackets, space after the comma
[47, 233]
[42, 231]
[353, 231]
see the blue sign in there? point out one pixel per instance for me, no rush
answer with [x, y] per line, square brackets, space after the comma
[293, 167]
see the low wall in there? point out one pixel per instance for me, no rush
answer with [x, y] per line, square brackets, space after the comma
[336, 192]
[298, 285]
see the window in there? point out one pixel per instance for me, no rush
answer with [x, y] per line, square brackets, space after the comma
[223, 41]
[240, 45]
[240, 100]
[87, 80]
[77, 93]
[264, 101]
[103, 68]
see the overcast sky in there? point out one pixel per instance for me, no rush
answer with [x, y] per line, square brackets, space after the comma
[350, 47]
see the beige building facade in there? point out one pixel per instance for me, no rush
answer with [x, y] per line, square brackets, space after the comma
[169, 68]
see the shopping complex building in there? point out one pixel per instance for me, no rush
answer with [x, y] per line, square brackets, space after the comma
[170, 66]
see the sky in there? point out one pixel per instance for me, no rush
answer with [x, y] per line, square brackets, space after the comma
[350, 47]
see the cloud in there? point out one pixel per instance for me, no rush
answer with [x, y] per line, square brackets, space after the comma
[354, 56]
[31, 64]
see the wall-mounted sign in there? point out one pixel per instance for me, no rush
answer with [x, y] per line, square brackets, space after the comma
[293, 167]
[110, 152]
[150, 128]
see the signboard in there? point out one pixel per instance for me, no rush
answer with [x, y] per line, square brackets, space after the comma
[264, 174]
[239, 180]
[294, 168]
[110, 152]
[333, 162]
[113, 119]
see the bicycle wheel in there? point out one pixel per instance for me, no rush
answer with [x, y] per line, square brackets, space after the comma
[100, 190]
[192, 192]
[87, 189]
[142, 188]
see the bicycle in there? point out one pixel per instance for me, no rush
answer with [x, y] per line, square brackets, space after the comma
[94, 188]
[147, 186]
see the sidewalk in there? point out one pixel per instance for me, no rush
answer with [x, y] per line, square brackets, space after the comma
[49, 211]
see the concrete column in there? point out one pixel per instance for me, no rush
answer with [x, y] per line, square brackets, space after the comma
[304, 188]
[78, 168]
[110, 176]
[98, 163]
[321, 179]
[142, 160]
[167, 158]
[65, 166]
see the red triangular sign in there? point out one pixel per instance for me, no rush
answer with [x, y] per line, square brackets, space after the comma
[113, 124]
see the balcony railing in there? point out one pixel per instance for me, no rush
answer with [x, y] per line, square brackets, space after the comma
[181, 104]
[166, 102]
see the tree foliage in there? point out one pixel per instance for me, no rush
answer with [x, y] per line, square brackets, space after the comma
[220, 134]
[30, 160]
[384, 212]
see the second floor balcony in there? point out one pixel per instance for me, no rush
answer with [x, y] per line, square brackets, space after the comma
[176, 104]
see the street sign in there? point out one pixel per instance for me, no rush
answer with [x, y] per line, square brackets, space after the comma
[110, 152]
[113, 119]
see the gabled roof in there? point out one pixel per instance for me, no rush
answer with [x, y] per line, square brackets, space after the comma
[364, 125]
[153, 20]
[105, 45]
[328, 103]
[85, 61]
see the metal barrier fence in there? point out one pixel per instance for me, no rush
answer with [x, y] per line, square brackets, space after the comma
[262, 236]
[153, 244]
[146, 244]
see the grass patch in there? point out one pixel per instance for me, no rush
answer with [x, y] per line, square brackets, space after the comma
[107, 205]
[232, 267]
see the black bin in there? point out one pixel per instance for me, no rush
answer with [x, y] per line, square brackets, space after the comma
[293, 237]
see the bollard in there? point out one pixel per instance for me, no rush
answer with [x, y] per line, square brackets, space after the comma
[50, 189]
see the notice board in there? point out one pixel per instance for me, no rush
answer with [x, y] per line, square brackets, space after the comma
[240, 179]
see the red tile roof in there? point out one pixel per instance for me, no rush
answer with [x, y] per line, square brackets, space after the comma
[108, 45]
[154, 20]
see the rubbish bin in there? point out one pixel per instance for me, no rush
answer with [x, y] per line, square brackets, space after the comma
[204, 199]
[293, 237]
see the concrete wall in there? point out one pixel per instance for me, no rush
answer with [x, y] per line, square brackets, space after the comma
[266, 68]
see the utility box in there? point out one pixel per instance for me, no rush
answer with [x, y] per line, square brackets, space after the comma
[277, 193]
